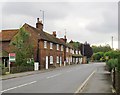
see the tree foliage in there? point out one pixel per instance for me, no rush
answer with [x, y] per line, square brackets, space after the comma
[87, 51]
[23, 47]
[101, 48]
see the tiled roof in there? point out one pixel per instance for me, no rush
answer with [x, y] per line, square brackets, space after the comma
[69, 45]
[7, 35]
[44, 35]
[73, 46]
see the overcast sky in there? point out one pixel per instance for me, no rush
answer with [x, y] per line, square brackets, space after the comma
[93, 22]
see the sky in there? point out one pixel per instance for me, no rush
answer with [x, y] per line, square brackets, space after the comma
[94, 22]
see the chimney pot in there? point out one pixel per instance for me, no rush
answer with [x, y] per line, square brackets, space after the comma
[54, 33]
[37, 20]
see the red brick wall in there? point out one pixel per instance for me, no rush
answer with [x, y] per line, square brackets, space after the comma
[49, 52]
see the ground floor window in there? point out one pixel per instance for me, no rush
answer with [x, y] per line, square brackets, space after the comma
[51, 59]
[73, 59]
[67, 59]
[57, 59]
[76, 60]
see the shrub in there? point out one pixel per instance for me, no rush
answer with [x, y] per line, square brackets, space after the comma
[19, 69]
[112, 63]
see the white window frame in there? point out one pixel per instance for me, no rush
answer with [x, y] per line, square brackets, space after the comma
[57, 46]
[51, 59]
[45, 44]
[67, 59]
[73, 51]
[76, 52]
[67, 49]
[57, 59]
[70, 50]
[51, 45]
[61, 47]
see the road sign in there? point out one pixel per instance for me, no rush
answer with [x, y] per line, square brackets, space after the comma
[11, 57]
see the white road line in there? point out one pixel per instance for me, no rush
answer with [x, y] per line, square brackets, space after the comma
[54, 75]
[84, 83]
[18, 86]
[69, 71]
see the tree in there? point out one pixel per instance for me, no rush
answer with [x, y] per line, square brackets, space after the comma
[98, 56]
[100, 48]
[23, 47]
[87, 50]
[112, 54]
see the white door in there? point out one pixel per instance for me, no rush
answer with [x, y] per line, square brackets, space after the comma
[69, 60]
[60, 61]
[36, 66]
[46, 66]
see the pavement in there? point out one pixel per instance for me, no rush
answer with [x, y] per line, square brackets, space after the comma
[22, 74]
[100, 82]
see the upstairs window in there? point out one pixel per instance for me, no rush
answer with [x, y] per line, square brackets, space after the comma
[57, 46]
[70, 50]
[51, 45]
[45, 44]
[76, 52]
[66, 49]
[61, 47]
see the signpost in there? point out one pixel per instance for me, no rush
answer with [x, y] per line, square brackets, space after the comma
[11, 59]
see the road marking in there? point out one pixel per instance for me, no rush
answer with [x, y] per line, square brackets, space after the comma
[18, 86]
[84, 83]
[54, 75]
[69, 71]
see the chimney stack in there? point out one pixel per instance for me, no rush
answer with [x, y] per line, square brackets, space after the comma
[39, 24]
[65, 39]
[54, 34]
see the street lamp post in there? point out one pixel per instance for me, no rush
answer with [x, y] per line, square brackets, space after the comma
[83, 49]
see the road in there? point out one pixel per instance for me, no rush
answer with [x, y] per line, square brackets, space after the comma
[63, 80]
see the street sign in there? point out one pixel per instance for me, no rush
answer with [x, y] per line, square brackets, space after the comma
[11, 57]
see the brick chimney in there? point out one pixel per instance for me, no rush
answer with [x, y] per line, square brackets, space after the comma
[39, 24]
[54, 33]
[65, 39]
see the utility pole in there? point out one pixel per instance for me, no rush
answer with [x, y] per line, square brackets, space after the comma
[83, 49]
[112, 42]
[42, 16]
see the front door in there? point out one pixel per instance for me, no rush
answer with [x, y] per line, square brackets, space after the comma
[60, 61]
[46, 66]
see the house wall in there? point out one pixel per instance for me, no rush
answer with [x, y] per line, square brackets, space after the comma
[43, 52]
[5, 44]
[68, 57]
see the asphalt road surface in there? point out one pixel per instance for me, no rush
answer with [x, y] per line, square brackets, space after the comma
[63, 80]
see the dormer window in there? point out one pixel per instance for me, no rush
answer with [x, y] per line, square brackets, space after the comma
[45, 44]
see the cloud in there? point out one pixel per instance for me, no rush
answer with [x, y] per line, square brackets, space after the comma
[94, 22]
